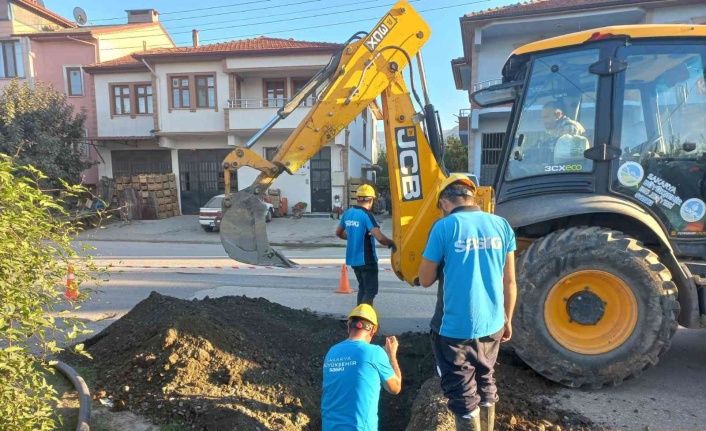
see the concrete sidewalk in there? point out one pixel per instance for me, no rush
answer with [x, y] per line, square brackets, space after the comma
[303, 232]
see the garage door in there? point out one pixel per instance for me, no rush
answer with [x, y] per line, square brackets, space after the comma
[201, 177]
[132, 162]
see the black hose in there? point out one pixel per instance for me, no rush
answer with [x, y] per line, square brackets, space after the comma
[84, 397]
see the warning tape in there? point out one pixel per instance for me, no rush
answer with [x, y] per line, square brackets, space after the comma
[246, 267]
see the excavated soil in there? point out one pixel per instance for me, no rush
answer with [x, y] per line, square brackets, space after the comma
[236, 363]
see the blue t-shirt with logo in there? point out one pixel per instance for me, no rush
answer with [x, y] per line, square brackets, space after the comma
[360, 249]
[471, 247]
[353, 373]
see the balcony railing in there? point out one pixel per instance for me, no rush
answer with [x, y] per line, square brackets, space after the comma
[485, 84]
[266, 103]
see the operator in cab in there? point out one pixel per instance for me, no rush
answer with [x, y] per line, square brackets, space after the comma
[564, 134]
[557, 124]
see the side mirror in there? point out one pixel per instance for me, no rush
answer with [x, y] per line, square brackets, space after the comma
[495, 95]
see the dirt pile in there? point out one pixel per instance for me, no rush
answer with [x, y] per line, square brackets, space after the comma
[524, 395]
[236, 363]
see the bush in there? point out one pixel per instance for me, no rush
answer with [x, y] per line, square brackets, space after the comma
[35, 252]
[39, 126]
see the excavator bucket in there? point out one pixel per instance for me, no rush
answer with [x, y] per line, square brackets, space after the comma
[243, 233]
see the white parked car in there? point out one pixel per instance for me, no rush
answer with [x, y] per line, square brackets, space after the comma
[211, 213]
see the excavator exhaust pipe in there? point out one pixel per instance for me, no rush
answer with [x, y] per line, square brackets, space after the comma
[243, 232]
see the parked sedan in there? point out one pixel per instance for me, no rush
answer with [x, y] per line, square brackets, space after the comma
[211, 213]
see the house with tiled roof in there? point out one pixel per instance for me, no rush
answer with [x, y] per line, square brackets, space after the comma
[181, 110]
[489, 36]
[40, 45]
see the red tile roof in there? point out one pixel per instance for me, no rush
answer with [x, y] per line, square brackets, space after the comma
[260, 45]
[127, 61]
[35, 7]
[538, 6]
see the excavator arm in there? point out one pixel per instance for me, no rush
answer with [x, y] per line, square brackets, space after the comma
[367, 67]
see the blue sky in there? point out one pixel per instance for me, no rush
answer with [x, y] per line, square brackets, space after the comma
[315, 20]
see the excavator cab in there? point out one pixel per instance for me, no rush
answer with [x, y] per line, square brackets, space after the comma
[604, 181]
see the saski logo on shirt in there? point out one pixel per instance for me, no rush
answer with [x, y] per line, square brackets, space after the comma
[468, 244]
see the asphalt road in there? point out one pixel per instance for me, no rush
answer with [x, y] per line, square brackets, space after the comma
[670, 396]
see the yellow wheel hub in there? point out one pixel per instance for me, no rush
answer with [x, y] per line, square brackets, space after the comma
[590, 312]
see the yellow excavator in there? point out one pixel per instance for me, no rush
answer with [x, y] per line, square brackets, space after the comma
[369, 65]
[603, 179]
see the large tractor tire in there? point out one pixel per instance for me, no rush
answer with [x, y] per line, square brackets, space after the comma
[594, 308]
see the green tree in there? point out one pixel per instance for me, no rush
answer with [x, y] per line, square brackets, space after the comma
[35, 252]
[456, 155]
[40, 128]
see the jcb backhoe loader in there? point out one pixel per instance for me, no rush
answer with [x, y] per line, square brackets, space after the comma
[608, 198]
[604, 180]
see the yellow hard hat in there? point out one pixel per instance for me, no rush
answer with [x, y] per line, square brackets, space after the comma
[456, 178]
[366, 191]
[365, 311]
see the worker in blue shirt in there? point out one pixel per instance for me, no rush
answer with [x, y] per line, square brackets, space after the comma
[472, 253]
[353, 371]
[360, 228]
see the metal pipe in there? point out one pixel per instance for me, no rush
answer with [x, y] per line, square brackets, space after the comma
[422, 77]
[270, 124]
[150, 68]
[155, 91]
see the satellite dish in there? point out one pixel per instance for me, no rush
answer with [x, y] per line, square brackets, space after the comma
[80, 16]
[40, 3]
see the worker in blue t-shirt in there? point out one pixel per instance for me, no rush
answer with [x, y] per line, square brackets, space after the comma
[359, 227]
[472, 253]
[353, 371]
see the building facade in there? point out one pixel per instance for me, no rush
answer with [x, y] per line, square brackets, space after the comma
[41, 46]
[182, 110]
[490, 36]
[25, 17]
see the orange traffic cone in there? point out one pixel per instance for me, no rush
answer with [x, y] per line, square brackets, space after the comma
[71, 287]
[343, 286]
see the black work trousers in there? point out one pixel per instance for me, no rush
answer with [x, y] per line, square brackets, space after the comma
[367, 276]
[466, 369]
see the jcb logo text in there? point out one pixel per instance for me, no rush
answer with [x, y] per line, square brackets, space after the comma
[408, 159]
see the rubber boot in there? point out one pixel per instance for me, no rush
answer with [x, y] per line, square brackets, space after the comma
[469, 422]
[487, 416]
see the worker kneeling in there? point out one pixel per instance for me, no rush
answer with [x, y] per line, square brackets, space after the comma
[353, 371]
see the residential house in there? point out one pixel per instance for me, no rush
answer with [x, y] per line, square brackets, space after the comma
[23, 16]
[183, 109]
[56, 54]
[490, 36]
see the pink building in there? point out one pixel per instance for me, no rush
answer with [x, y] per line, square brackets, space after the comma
[49, 48]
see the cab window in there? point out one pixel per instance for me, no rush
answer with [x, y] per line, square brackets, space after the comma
[659, 126]
[557, 117]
